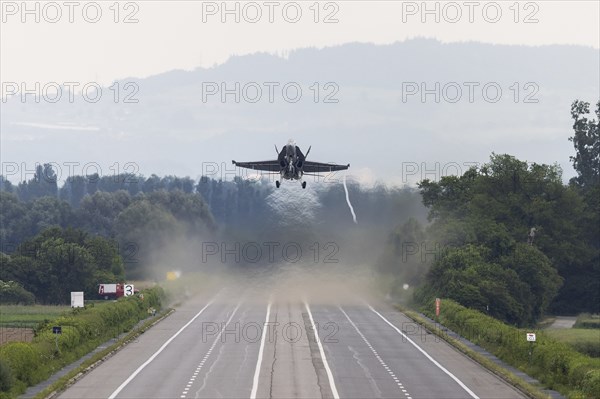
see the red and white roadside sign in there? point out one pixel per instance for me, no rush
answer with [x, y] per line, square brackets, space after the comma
[531, 337]
[437, 306]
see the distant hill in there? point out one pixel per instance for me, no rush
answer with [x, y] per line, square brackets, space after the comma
[375, 125]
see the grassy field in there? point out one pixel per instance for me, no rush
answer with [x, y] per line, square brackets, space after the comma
[29, 315]
[586, 320]
[584, 340]
[17, 322]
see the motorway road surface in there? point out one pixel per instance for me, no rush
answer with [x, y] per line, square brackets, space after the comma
[219, 347]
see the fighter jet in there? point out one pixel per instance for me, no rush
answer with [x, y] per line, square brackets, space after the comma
[291, 164]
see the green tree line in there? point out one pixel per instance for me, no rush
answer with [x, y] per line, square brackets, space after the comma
[516, 241]
[50, 248]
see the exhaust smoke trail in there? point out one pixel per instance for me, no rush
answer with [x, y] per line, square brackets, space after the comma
[348, 201]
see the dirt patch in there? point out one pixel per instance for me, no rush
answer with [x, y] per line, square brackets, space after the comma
[10, 334]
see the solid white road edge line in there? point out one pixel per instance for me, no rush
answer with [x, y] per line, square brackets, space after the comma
[459, 382]
[151, 358]
[260, 355]
[327, 369]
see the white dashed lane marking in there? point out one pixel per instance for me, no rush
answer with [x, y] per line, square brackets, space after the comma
[385, 366]
[427, 355]
[206, 356]
[151, 358]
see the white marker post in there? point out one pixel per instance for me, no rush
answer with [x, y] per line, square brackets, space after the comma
[531, 339]
[56, 330]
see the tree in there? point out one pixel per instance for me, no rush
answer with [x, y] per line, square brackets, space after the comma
[12, 229]
[97, 213]
[58, 261]
[73, 190]
[6, 185]
[45, 212]
[145, 227]
[188, 209]
[494, 207]
[586, 141]
[12, 292]
[534, 269]
[44, 183]
[466, 276]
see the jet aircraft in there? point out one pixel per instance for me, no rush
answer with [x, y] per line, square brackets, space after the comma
[291, 164]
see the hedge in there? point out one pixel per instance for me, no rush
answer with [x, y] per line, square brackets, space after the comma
[82, 331]
[554, 363]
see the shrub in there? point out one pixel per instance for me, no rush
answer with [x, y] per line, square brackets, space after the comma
[12, 292]
[22, 358]
[6, 377]
[554, 363]
[586, 320]
[82, 330]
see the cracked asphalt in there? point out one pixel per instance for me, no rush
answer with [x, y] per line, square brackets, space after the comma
[239, 345]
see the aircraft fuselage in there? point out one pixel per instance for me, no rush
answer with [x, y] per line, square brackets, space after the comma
[291, 160]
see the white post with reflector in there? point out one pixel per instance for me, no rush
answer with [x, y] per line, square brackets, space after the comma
[531, 339]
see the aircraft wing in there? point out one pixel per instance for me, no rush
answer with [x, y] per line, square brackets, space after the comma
[318, 167]
[271, 166]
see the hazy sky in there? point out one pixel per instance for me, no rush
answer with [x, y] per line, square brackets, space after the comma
[98, 42]
[81, 42]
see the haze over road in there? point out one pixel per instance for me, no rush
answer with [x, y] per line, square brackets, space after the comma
[218, 346]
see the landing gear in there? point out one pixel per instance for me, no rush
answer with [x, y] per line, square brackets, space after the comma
[277, 183]
[303, 184]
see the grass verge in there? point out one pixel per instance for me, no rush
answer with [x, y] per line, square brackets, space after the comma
[79, 372]
[586, 320]
[555, 364]
[25, 364]
[583, 340]
[523, 386]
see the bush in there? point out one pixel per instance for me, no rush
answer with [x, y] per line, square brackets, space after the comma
[591, 349]
[585, 341]
[586, 320]
[554, 363]
[82, 330]
[6, 377]
[590, 383]
[22, 358]
[12, 292]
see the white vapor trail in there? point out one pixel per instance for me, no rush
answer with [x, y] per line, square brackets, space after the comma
[348, 201]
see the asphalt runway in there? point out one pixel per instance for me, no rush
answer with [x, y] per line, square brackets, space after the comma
[236, 345]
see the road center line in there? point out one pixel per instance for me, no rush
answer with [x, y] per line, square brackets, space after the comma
[151, 358]
[459, 382]
[260, 355]
[322, 352]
